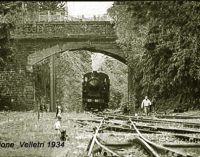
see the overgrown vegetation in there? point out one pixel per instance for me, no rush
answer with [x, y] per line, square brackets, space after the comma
[162, 42]
[44, 5]
[11, 14]
[8, 20]
[117, 73]
[70, 67]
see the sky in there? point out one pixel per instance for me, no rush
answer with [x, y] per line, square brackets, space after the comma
[88, 8]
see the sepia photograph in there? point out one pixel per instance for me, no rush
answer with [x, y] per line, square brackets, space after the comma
[100, 78]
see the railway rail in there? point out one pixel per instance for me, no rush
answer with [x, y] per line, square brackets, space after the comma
[177, 117]
[151, 120]
[138, 144]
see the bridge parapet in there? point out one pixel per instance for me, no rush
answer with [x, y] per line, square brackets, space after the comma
[72, 29]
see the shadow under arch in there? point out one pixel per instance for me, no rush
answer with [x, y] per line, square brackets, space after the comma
[117, 57]
[109, 49]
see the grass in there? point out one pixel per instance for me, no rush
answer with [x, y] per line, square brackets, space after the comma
[25, 126]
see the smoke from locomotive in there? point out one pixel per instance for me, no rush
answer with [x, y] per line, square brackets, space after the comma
[95, 90]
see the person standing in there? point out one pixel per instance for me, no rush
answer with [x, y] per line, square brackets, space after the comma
[146, 105]
[58, 111]
[57, 124]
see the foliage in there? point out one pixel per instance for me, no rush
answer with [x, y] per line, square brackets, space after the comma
[70, 67]
[8, 20]
[11, 14]
[44, 5]
[117, 73]
[162, 42]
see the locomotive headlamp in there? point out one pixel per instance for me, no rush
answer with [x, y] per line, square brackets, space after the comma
[89, 100]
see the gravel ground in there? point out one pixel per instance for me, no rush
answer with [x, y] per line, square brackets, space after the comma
[19, 127]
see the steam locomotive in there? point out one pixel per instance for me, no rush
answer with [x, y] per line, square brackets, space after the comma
[95, 91]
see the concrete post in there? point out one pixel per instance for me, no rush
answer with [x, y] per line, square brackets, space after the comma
[52, 85]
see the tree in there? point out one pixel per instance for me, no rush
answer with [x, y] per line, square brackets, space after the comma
[8, 20]
[44, 5]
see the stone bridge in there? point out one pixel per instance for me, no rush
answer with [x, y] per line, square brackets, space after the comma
[41, 40]
[36, 41]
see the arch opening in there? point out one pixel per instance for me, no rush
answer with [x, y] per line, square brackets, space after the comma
[94, 50]
[109, 49]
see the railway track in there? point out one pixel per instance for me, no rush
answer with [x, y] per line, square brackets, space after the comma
[155, 121]
[178, 117]
[106, 140]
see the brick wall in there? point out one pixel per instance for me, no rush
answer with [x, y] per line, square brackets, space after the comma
[16, 90]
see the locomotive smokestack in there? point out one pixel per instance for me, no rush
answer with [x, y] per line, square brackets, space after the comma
[94, 72]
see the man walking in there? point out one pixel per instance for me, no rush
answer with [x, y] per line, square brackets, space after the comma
[146, 104]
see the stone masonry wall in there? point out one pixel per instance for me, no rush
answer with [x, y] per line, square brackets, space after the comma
[16, 90]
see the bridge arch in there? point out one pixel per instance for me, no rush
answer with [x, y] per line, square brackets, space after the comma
[109, 49]
[117, 57]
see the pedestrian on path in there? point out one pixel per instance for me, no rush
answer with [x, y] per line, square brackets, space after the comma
[146, 103]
